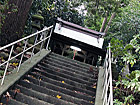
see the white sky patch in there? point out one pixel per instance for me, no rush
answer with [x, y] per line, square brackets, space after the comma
[81, 10]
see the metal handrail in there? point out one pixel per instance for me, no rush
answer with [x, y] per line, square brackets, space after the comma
[37, 42]
[107, 95]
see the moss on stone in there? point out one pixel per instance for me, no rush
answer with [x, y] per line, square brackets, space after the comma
[19, 49]
[4, 55]
[38, 16]
[1, 72]
[36, 26]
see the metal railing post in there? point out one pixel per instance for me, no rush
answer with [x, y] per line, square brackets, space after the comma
[22, 55]
[49, 39]
[41, 45]
[33, 47]
[43, 35]
[7, 64]
[111, 87]
[107, 95]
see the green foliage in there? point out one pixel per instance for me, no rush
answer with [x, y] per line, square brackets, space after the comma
[128, 99]
[134, 75]
[125, 41]
[135, 42]
[117, 47]
[3, 6]
[127, 23]
[125, 52]
[36, 5]
[127, 89]
[129, 58]
[93, 22]
[51, 9]
[117, 102]
[98, 9]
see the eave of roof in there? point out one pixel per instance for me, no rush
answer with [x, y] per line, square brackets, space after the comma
[99, 34]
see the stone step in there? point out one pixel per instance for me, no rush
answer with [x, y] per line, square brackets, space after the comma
[69, 74]
[62, 84]
[73, 78]
[67, 68]
[71, 61]
[53, 93]
[42, 96]
[59, 89]
[86, 71]
[68, 81]
[70, 65]
[27, 99]
[10, 101]
[76, 71]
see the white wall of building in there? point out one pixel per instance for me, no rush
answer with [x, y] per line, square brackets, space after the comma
[79, 36]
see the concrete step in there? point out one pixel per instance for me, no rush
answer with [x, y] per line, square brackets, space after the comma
[42, 96]
[27, 99]
[73, 78]
[59, 89]
[75, 71]
[62, 84]
[70, 61]
[55, 64]
[11, 101]
[70, 65]
[68, 81]
[53, 93]
[65, 73]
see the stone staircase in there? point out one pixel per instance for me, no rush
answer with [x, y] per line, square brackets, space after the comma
[56, 80]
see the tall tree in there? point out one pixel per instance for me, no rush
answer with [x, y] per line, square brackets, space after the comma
[124, 27]
[100, 13]
[127, 23]
[13, 26]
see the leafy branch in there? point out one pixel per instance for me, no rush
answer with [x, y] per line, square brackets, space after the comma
[127, 89]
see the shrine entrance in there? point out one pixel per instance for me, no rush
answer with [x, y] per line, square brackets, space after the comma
[68, 37]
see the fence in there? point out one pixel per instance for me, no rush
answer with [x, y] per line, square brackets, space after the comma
[107, 95]
[40, 38]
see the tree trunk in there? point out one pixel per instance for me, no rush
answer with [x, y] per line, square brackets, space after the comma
[0, 17]
[13, 27]
[125, 70]
[0, 22]
[109, 23]
[103, 24]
